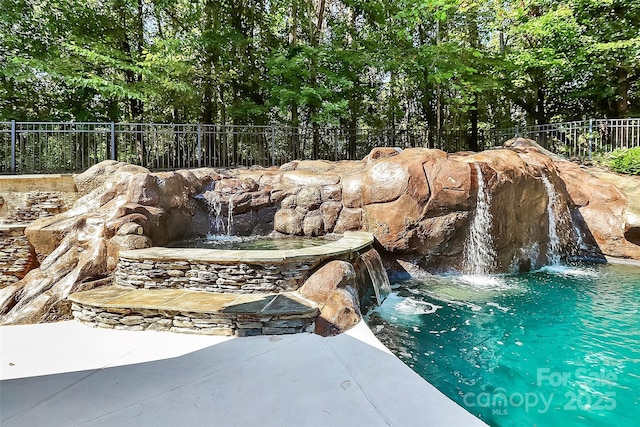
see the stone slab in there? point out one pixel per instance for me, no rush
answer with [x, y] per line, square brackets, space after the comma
[199, 302]
[43, 183]
[351, 241]
[182, 300]
[8, 226]
[98, 297]
[141, 298]
[249, 304]
[287, 304]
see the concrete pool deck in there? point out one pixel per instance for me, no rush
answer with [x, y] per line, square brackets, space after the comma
[69, 374]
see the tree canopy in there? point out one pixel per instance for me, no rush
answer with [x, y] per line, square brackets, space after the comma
[446, 65]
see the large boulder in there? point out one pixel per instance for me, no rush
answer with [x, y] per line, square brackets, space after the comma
[124, 207]
[602, 207]
[629, 185]
[289, 221]
[333, 288]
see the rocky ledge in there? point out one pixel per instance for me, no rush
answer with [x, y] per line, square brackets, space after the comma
[418, 203]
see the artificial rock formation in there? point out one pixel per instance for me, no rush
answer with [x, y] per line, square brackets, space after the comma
[125, 207]
[418, 203]
[603, 205]
[333, 288]
[629, 185]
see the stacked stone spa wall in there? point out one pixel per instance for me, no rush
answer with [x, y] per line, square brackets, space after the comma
[16, 255]
[237, 324]
[212, 277]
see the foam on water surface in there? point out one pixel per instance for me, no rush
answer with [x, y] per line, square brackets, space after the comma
[518, 335]
[412, 306]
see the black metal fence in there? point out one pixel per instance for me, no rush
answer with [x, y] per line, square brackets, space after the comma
[57, 147]
[581, 139]
[50, 147]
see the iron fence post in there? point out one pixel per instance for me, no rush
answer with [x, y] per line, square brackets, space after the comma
[273, 145]
[112, 144]
[590, 137]
[199, 146]
[13, 146]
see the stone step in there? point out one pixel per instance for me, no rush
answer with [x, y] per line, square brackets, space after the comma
[180, 310]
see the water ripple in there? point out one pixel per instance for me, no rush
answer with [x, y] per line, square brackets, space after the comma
[561, 331]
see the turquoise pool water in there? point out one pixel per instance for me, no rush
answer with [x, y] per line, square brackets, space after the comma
[559, 346]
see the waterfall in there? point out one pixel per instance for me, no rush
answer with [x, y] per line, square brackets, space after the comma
[580, 244]
[229, 215]
[379, 278]
[553, 251]
[215, 209]
[217, 225]
[478, 247]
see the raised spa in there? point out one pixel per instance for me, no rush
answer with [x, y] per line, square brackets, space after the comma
[232, 271]
[250, 243]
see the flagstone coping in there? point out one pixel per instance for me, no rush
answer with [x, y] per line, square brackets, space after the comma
[181, 300]
[351, 241]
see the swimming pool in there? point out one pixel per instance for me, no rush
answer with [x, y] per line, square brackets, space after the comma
[558, 346]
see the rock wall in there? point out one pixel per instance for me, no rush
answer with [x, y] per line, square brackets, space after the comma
[629, 185]
[417, 202]
[598, 207]
[122, 207]
[212, 276]
[16, 254]
[24, 199]
[237, 324]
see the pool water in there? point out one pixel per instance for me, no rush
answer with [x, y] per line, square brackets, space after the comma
[558, 346]
[249, 243]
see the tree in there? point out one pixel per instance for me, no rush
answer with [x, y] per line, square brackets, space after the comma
[448, 67]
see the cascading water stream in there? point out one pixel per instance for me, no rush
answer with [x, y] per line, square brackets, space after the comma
[230, 216]
[553, 251]
[215, 209]
[479, 255]
[217, 227]
[379, 278]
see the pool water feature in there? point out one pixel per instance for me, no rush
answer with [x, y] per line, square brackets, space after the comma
[377, 274]
[478, 248]
[557, 346]
[215, 203]
[553, 252]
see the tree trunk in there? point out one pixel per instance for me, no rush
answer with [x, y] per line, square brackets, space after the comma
[293, 107]
[473, 118]
[623, 85]
[315, 31]
[211, 56]
[352, 95]
[136, 106]
[439, 115]
[222, 138]
[295, 131]
[474, 43]
[393, 102]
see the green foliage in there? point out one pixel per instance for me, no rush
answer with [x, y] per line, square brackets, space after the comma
[444, 65]
[625, 160]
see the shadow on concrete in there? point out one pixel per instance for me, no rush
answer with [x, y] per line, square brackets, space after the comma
[291, 380]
